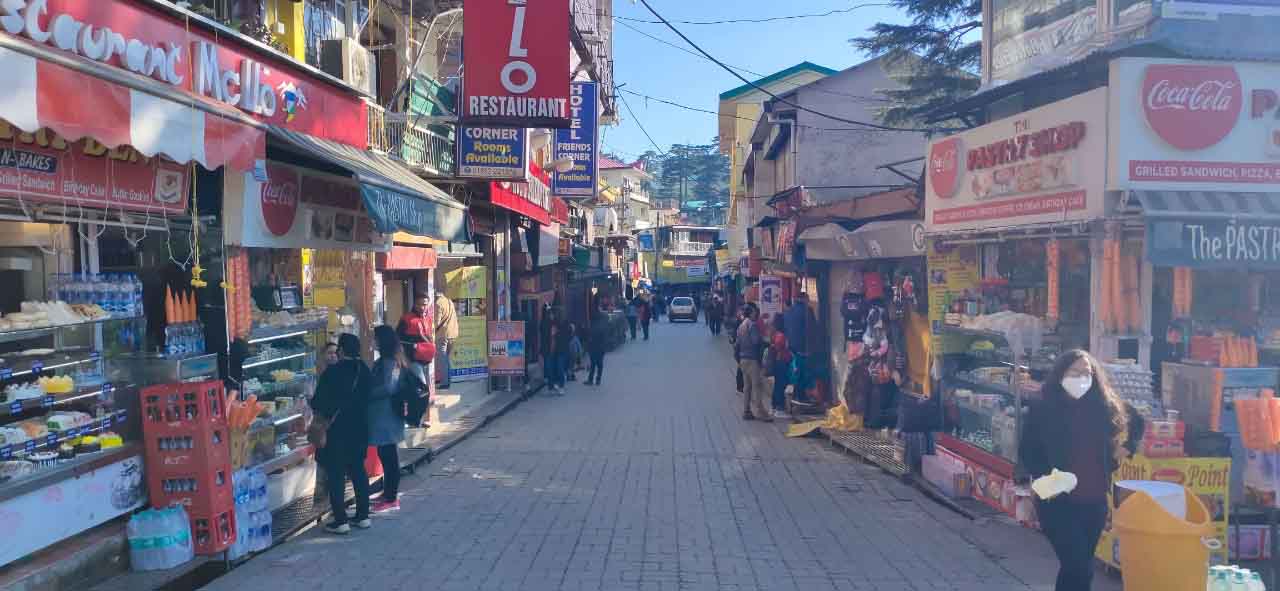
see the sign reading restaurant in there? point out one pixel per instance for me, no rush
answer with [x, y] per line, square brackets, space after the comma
[517, 70]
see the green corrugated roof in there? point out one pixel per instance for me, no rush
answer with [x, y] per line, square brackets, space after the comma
[779, 75]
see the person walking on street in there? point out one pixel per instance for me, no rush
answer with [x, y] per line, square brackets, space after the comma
[342, 402]
[555, 346]
[715, 315]
[394, 384]
[446, 334]
[748, 350]
[597, 343]
[645, 311]
[779, 358]
[633, 315]
[1080, 426]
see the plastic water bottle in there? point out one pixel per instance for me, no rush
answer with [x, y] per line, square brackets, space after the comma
[1255, 582]
[137, 295]
[137, 541]
[261, 530]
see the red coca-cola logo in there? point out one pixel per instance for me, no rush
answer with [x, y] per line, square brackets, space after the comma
[1192, 107]
[944, 167]
[280, 199]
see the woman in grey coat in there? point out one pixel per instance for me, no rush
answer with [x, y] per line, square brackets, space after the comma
[393, 377]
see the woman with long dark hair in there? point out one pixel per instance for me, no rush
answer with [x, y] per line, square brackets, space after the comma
[394, 383]
[1080, 426]
[342, 396]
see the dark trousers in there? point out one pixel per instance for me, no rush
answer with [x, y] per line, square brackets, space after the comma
[1073, 528]
[390, 457]
[554, 367]
[597, 367]
[631, 322]
[714, 323]
[336, 472]
[645, 325]
[781, 369]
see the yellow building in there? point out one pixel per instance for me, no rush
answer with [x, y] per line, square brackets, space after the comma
[739, 111]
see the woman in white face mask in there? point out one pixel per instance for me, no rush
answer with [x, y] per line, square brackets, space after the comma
[1080, 426]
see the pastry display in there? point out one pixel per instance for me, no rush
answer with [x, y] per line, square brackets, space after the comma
[34, 429]
[282, 375]
[43, 459]
[88, 444]
[24, 391]
[10, 435]
[61, 421]
[66, 451]
[57, 384]
[108, 440]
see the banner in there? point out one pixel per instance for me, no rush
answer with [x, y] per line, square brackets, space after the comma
[298, 208]
[953, 271]
[1207, 478]
[1213, 243]
[770, 296]
[467, 287]
[393, 212]
[44, 167]
[493, 153]
[517, 63]
[579, 143]
[506, 348]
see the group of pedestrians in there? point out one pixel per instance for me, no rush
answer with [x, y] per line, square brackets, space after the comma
[564, 345]
[640, 311]
[777, 349]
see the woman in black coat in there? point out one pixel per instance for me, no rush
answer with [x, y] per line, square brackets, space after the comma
[1080, 426]
[342, 394]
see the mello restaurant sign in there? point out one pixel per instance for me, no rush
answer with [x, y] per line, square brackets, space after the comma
[1214, 243]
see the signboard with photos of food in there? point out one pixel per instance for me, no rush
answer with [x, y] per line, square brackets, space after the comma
[468, 357]
[1039, 167]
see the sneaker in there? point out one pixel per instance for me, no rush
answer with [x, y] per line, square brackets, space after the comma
[384, 507]
[746, 416]
[365, 523]
[337, 528]
[781, 415]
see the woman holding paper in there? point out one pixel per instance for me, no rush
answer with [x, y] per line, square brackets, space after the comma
[1078, 432]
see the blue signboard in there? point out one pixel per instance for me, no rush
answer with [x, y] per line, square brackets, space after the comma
[579, 143]
[497, 153]
[1214, 243]
[646, 241]
[393, 211]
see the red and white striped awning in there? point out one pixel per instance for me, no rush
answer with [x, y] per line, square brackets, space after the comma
[76, 104]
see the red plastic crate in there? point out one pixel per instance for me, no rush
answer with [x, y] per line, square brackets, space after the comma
[179, 408]
[202, 448]
[197, 490]
[212, 532]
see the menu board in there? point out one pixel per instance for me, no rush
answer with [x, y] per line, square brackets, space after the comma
[953, 271]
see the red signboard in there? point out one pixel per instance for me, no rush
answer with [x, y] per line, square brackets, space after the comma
[43, 167]
[408, 258]
[1192, 106]
[531, 199]
[280, 198]
[517, 62]
[1013, 208]
[944, 166]
[129, 35]
[559, 211]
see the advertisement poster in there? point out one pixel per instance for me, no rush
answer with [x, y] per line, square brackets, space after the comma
[953, 272]
[468, 289]
[493, 153]
[1207, 478]
[770, 296]
[44, 167]
[579, 143]
[1037, 168]
[1181, 125]
[506, 348]
[1031, 36]
[516, 63]
[298, 208]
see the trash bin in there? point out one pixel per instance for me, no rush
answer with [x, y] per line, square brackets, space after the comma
[1158, 551]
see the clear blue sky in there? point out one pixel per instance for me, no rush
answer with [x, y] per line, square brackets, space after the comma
[649, 67]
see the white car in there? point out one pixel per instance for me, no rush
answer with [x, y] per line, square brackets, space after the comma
[682, 308]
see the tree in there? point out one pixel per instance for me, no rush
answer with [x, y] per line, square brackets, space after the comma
[935, 57]
[690, 172]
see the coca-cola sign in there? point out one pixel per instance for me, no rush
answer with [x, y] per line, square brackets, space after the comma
[944, 167]
[280, 198]
[1192, 106]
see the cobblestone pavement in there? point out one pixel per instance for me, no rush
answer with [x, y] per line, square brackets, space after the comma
[653, 482]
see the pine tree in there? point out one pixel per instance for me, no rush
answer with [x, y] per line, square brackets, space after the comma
[935, 57]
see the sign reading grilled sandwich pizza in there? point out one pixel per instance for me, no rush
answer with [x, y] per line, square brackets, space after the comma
[517, 63]
[1042, 166]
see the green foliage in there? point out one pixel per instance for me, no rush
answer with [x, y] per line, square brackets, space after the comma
[689, 172]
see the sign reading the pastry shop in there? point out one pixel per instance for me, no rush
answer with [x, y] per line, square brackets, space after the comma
[1039, 167]
[43, 167]
[151, 42]
[517, 63]
[1194, 126]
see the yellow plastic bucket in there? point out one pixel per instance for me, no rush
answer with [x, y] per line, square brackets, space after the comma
[1158, 551]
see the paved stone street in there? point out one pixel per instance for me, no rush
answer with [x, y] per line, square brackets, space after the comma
[653, 482]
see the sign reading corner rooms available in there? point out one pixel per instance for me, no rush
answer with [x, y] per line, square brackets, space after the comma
[517, 70]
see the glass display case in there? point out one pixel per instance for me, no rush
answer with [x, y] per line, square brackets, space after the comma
[986, 389]
[279, 372]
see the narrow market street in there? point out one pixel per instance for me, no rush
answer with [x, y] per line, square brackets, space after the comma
[653, 481]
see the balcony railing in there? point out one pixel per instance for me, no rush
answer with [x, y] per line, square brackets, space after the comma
[427, 149]
[690, 248]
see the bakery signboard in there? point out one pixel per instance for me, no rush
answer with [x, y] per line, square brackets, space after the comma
[1039, 167]
[298, 208]
[1194, 126]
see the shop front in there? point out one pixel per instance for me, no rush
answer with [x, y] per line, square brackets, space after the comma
[534, 252]
[1015, 254]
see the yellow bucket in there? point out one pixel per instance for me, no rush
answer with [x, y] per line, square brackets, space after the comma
[1158, 551]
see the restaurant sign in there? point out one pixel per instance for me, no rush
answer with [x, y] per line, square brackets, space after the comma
[1214, 243]
[517, 64]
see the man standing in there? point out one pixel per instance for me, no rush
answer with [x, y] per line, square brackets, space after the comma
[446, 333]
[799, 325]
[715, 314]
[645, 312]
[597, 344]
[748, 348]
[633, 315]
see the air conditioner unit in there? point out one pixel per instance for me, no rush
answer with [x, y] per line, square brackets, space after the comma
[346, 59]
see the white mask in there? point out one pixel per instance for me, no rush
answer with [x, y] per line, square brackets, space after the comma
[1076, 387]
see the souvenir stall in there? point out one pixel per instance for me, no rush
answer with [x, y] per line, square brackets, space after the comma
[878, 337]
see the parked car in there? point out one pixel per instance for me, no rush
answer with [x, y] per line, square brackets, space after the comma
[682, 308]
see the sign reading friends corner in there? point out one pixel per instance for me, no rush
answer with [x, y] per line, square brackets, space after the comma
[517, 70]
[1038, 167]
[148, 41]
[1187, 125]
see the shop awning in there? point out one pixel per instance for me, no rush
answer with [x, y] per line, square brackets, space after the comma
[1210, 205]
[397, 200]
[874, 240]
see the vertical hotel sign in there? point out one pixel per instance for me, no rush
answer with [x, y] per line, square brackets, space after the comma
[579, 144]
[517, 63]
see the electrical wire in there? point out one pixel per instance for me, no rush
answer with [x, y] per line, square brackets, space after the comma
[710, 112]
[640, 125]
[761, 89]
[767, 19]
